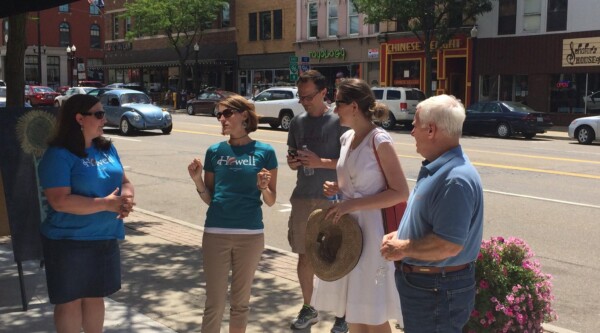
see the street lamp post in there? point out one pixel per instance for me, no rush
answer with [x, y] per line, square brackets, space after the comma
[474, 33]
[196, 51]
[71, 59]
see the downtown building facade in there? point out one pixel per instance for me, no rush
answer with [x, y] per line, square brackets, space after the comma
[544, 53]
[49, 33]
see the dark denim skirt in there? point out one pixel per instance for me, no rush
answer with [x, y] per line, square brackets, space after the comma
[79, 269]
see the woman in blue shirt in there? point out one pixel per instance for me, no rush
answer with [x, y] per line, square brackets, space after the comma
[88, 196]
[237, 173]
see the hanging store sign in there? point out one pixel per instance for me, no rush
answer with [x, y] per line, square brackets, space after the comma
[325, 53]
[581, 52]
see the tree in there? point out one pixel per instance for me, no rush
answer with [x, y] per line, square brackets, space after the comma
[15, 60]
[181, 21]
[428, 20]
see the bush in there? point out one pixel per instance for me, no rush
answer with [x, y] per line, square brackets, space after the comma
[513, 295]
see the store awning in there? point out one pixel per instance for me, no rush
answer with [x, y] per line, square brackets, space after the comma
[189, 62]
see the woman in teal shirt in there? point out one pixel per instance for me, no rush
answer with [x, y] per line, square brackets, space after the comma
[237, 173]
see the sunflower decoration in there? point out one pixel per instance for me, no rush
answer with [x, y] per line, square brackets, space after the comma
[33, 130]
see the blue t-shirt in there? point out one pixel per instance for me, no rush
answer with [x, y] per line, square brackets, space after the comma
[94, 176]
[236, 202]
[447, 201]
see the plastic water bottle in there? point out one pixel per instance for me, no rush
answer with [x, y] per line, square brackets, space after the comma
[380, 275]
[308, 171]
[336, 198]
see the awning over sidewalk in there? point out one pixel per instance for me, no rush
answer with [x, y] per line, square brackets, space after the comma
[189, 62]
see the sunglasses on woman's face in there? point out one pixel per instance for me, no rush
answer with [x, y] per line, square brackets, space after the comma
[97, 114]
[226, 113]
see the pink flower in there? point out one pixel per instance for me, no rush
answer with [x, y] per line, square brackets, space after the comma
[483, 284]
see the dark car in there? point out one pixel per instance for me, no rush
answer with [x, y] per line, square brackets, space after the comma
[131, 110]
[505, 119]
[207, 102]
[40, 95]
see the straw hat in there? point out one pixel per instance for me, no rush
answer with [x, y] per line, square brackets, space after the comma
[333, 249]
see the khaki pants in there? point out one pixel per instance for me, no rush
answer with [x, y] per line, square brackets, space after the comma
[222, 253]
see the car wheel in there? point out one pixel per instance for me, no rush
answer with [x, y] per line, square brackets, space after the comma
[190, 110]
[215, 110]
[528, 135]
[125, 127]
[503, 130]
[390, 122]
[285, 120]
[585, 135]
[167, 130]
[56, 104]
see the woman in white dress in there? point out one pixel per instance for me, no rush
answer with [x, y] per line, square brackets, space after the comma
[367, 295]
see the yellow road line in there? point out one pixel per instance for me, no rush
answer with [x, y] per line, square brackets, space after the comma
[489, 165]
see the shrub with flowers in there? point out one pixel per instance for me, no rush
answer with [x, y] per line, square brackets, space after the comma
[513, 295]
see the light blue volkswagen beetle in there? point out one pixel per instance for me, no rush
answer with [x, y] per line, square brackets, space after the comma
[131, 110]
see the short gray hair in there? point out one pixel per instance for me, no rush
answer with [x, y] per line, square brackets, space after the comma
[445, 111]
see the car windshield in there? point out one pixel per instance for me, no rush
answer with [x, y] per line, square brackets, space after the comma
[135, 98]
[516, 106]
[87, 90]
[2, 92]
[43, 90]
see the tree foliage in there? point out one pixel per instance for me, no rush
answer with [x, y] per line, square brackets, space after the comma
[181, 21]
[428, 20]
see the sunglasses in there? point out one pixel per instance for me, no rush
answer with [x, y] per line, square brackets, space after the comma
[341, 101]
[97, 114]
[226, 113]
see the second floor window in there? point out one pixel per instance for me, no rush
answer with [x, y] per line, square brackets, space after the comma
[332, 19]
[115, 26]
[95, 36]
[557, 15]
[252, 27]
[507, 17]
[94, 10]
[352, 19]
[265, 25]
[532, 15]
[64, 34]
[277, 24]
[225, 16]
[313, 19]
[63, 8]
[127, 24]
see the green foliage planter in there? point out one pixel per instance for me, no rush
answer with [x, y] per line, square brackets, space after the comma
[513, 295]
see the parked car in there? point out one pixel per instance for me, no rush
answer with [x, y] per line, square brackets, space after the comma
[505, 119]
[97, 92]
[585, 130]
[60, 99]
[207, 102]
[96, 84]
[131, 110]
[402, 103]
[134, 86]
[2, 83]
[3, 98]
[40, 95]
[62, 89]
[277, 106]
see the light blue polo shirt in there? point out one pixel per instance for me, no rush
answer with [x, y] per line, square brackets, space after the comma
[447, 201]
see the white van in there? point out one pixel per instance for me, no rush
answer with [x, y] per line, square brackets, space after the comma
[402, 103]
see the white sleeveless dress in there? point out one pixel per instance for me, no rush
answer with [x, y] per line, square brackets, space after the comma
[357, 295]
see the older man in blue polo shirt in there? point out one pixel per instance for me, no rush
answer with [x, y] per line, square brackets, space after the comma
[440, 234]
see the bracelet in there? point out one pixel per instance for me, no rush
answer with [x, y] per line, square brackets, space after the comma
[197, 190]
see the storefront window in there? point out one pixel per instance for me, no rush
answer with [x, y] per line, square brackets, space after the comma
[53, 71]
[489, 88]
[406, 73]
[506, 87]
[31, 67]
[568, 93]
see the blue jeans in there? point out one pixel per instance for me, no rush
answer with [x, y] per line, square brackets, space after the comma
[436, 303]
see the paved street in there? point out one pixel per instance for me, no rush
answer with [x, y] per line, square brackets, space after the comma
[542, 190]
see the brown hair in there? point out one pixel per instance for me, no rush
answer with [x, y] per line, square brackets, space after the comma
[68, 133]
[315, 76]
[241, 104]
[357, 90]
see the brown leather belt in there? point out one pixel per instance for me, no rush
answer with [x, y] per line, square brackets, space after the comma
[406, 268]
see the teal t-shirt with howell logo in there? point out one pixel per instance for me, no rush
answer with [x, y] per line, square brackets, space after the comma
[236, 202]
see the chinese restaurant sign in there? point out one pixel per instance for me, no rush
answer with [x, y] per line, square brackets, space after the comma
[581, 52]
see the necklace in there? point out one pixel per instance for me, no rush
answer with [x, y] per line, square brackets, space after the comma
[238, 143]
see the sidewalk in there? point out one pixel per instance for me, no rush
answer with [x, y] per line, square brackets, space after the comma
[162, 286]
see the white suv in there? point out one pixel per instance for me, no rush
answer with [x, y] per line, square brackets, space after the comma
[277, 106]
[402, 103]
